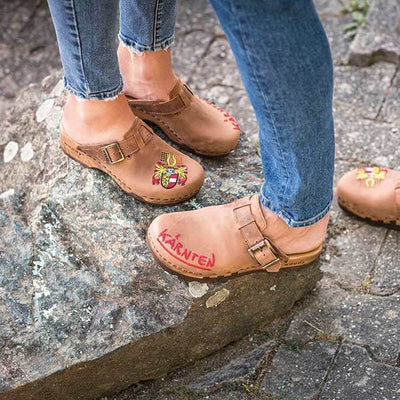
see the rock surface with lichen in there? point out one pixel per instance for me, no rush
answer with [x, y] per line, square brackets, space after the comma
[84, 309]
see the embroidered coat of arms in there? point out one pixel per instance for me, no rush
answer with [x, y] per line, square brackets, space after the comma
[168, 172]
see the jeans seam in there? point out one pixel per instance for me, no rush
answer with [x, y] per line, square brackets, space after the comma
[109, 94]
[268, 107]
[288, 219]
[156, 22]
[164, 44]
[72, 2]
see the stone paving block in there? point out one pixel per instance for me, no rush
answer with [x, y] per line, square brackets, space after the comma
[339, 44]
[352, 249]
[386, 277]
[379, 38]
[195, 28]
[96, 314]
[362, 319]
[218, 67]
[363, 88]
[365, 140]
[391, 109]
[186, 55]
[298, 373]
[328, 7]
[356, 376]
[197, 16]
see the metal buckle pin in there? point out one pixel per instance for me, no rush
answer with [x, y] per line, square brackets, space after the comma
[260, 245]
[107, 156]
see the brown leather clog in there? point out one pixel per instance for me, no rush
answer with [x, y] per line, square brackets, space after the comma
[372, 193]
[220, 241]
[191, 121]
[142, 164]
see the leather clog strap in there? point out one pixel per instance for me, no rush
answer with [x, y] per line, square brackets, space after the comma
[180, 100]
[260, 247]
[116, 152]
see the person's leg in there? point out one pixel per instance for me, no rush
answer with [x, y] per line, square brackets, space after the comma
[98, 128]
[146, 34]
[284, 59]
[155, 93]
[285, 63]
[86, 32]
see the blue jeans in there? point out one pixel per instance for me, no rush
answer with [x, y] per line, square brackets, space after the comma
[284, 59]
[86, 32]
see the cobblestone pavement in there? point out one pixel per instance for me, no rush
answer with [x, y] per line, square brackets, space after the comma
[342, 341]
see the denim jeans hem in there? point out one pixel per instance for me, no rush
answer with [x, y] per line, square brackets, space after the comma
[106, 95]
[139, 49]
[290, 221]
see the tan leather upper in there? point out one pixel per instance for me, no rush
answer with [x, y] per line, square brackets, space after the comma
[371, 192]
[219, 241]
[142, 164]
[191, 121]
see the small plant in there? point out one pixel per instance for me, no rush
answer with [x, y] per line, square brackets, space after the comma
[266, 396]
[327, 337]
[358, 9]
[265, 336]
[366, 284]
[183, 392]
[293, 345]
[250, 388]
[282, 392]
[322, 335]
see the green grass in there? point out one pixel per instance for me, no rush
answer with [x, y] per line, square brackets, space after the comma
[358, 10]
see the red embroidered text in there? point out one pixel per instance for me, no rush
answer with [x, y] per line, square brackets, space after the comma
[176, 248]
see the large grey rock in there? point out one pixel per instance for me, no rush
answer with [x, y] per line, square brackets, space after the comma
[28, 47]
[379, 38]
[84, 310]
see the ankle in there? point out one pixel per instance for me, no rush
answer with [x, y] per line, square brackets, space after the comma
[96, 121]
[147, 76]
[294, 240]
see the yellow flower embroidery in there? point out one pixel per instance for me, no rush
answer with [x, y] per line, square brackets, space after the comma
[371, 175]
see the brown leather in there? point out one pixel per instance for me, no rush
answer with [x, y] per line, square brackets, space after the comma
[142, 164]
[191, 121]
[371, 192]
[220, 241]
